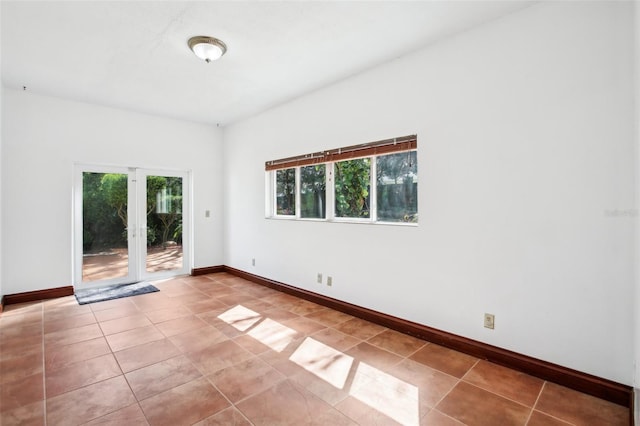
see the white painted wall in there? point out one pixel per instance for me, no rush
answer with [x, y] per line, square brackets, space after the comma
[526, 156]
[1, 102]
[636, 335]
[1, 199]
[42, 139]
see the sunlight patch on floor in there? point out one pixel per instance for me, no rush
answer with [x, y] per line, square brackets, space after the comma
[325, 362]
[383, 392]
[240, 317]
[389, 395]
[273, 334]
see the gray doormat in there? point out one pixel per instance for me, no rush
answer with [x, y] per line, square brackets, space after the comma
[92, 295]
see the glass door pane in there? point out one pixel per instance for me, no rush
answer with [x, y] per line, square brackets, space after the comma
[164, 223]
[105, 242]
[128, 225]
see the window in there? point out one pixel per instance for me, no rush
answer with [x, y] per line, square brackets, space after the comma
[286, 192]
[397, 187]
[374, 182]
[313, 191]
[352, 184]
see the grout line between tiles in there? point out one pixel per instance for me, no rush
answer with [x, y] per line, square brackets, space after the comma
[533, 408]
[446, 415]
[469, 370]
[549, 415]
[418, 350]
[536, 402]
[496, 394]
[544, 384]
[501, 396]
[447, 393]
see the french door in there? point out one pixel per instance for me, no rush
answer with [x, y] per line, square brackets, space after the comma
[130, 224]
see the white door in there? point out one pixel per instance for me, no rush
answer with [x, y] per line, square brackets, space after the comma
[130, 225]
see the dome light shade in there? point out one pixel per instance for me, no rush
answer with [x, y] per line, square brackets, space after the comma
[207, 48]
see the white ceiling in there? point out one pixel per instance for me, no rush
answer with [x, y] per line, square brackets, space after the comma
[134, 54]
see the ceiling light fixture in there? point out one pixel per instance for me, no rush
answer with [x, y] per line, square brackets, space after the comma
[207, 48]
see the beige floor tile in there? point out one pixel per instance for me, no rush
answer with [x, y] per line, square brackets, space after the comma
[21, 392]
[135, 337]
[283, 404]
[227, 417]
[185, 404]
[24, 415]
[398, 343]
[157, 378]
[503, 381]
[73, 335]
[446, 360]
[81, 374]
[575, 407]
[477, 407]
[90, 402]
[61, 356]
[245, 379]
[146, 354]
[129, 416]
[119, 325]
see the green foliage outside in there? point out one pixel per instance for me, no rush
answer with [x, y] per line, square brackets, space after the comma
[105, 216]
[397, 187]
[102, 226]
[313, 191]
[167, 207]
[352, 180]
[285, 192]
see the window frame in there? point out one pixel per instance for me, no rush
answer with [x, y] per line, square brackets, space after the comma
[329, 158]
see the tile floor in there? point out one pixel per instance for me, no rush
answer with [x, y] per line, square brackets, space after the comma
[219, 350]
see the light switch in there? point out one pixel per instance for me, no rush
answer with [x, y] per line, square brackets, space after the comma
[207, 213]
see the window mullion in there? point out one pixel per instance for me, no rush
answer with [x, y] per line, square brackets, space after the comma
[297, 193]
[373, 191]
[330, 192]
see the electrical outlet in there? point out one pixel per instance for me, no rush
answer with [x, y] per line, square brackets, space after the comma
[489, 321]
[253, 262]
[329, 281]
[319, 278]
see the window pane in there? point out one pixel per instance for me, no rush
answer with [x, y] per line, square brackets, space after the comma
[164, 223]
[352, 183]
[105, 253]
[312, 191]
[285, 192]
[397, 185]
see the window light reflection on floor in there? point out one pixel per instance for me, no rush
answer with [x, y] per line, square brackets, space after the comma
[325, 362]
[389, 395]
[273, 334]
[240, 317]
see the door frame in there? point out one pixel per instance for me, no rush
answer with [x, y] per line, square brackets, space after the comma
[136, 229]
